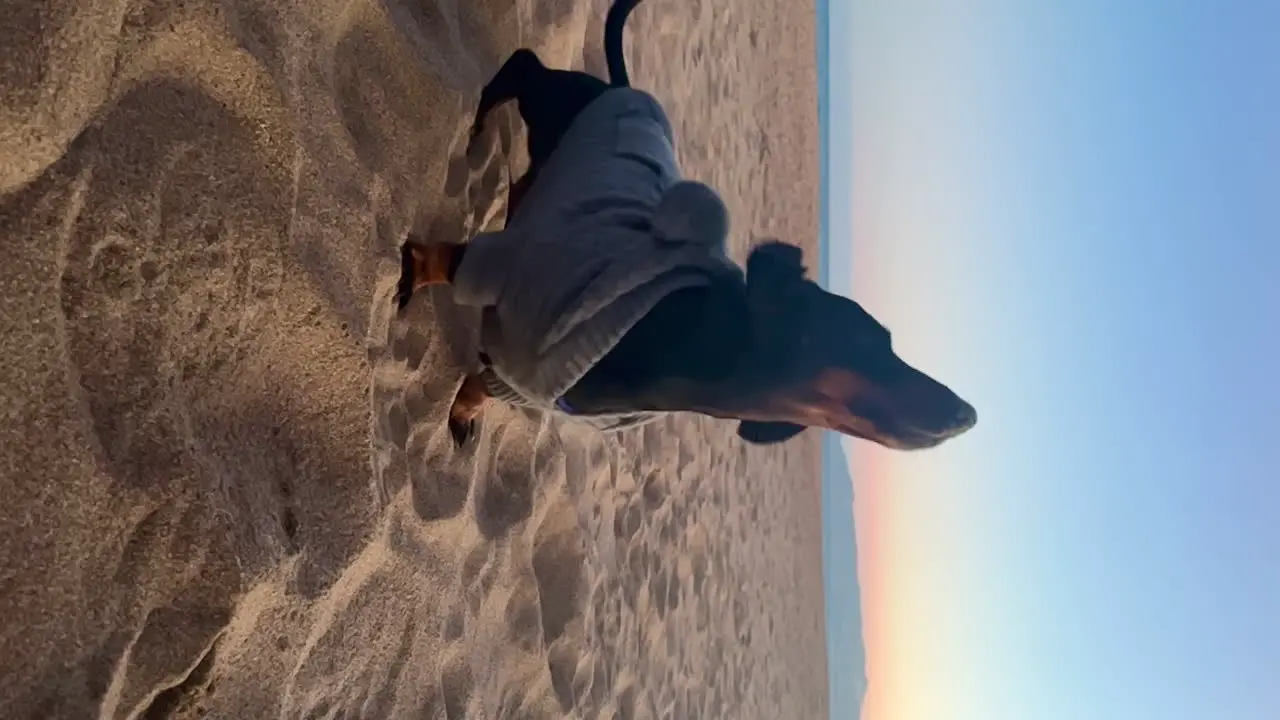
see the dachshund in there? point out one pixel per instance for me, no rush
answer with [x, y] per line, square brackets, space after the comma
[771, 349]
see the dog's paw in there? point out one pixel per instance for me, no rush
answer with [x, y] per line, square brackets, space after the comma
[473, 137]
[462, 431]
[404, 288]
[759, 432]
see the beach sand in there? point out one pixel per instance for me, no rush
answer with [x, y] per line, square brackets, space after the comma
[227, 487]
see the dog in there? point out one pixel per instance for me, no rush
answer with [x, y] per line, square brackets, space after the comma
[770, 349]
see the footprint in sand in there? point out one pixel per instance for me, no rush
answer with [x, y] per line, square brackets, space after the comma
[457, 685]
[563, 657]
[550, 13]
[421, 361]
[440, 478]
[169, 636]
[525, 618]
[504, 495]
[558, 556]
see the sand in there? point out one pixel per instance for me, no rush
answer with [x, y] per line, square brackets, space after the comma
[226, 486]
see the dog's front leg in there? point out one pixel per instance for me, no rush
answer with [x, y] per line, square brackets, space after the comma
[422, 265]
[466, 409]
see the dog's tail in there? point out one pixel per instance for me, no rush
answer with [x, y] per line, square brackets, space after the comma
[613, 56]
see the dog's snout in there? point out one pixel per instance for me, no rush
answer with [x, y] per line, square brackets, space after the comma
[965, 418]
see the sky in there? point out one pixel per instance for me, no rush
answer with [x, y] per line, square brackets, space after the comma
[1068, 212]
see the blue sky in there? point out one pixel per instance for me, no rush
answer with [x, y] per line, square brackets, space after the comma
[1070, 213]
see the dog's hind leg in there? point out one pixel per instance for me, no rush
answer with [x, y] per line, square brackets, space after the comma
[515, 73]
[422, 265]
[549, 100]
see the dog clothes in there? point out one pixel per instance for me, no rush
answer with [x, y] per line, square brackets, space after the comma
[607, 230]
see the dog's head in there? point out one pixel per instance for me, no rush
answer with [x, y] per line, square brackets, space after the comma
[820, 360]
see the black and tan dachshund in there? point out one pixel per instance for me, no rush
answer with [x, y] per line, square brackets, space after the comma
[776, 352]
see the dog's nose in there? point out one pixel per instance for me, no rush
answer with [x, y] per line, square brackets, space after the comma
[966, 417]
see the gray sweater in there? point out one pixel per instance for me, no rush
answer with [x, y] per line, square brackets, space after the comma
[606, 231]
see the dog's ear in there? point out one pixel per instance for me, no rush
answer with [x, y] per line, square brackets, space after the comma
[775, 264]
[767, 433]
[775, 291]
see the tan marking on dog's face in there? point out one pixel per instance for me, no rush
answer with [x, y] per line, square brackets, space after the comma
[913, 413]
[847, 378]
